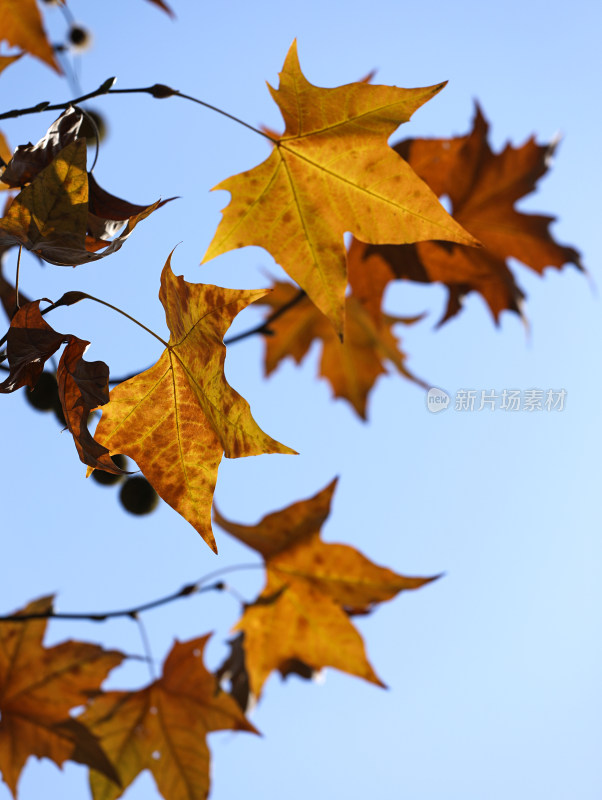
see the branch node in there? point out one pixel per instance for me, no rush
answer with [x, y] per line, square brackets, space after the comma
[161, 91]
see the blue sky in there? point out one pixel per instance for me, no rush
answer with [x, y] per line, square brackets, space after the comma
[493, 670]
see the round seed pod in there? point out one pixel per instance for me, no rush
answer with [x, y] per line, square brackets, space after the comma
[44, 394]
[108, 478]
[137, 496]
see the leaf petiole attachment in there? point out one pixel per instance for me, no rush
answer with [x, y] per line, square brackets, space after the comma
[70, 298]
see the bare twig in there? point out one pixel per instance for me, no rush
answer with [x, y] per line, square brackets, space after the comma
[199, 586]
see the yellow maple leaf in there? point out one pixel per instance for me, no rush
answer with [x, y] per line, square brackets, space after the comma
[177, 418]
[332, 171]
[311, 589]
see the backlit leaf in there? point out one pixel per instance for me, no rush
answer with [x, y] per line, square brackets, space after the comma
[483, 188]
[21, 26]
[62, 214]
[163, 727]
[38, 688]
[311, 589]
[352, 366]
[332, 171]
[178, 418]
[29, 160]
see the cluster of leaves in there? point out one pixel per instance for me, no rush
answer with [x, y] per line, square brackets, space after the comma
[331, 171]
[299, 623]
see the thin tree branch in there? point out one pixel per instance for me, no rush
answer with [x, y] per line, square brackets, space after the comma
[158, 90]
[70, 298]
[46, 106]
[146, 646]
[17, 276]
[264, 327]
[102, 616]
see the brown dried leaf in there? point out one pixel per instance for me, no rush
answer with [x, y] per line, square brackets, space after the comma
[82, 385]
[60, 214]
[30, 342]
[30, 159]
[233, 671]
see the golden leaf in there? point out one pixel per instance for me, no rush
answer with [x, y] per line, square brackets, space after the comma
[332, 171]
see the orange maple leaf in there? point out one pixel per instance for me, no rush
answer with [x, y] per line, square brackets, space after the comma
[483, 188]
[38, 689]
[351, 366]
[311, 589]
[332, 171]
[163, 727]
[6, 61]
[178, 418]
[21, 26]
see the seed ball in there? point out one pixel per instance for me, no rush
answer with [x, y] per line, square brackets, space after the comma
[108, 478]
[87, 129]
[79, 37]
[137, 496]
[44, 394]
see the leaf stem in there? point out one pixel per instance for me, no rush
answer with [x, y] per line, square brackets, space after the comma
[69, 298]
[17, 278]
[146, 646]
[158, 90]
[220, 111]
[263, 328]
